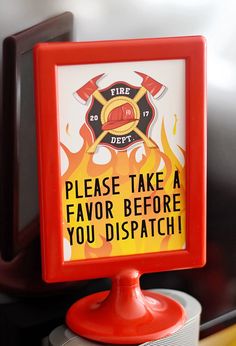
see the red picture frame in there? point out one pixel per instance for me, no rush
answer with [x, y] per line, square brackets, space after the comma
[47, 58]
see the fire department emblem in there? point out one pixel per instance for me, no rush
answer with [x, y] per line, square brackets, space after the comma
[121, 114]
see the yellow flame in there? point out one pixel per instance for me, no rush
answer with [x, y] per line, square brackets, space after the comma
[175, 124]
[82, 166]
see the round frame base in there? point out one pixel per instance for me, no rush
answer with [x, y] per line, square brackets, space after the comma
[125, 315]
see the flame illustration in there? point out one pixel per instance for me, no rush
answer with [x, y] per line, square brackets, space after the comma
[67, 130]
[140, 160]
[175, 124]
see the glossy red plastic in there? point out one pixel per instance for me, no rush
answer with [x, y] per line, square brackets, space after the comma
[125, 315]
[47, 58]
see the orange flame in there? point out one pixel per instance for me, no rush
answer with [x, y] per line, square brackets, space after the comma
[103, 251]
[82, 166]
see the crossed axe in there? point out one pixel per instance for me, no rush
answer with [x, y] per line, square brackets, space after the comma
[90, 89]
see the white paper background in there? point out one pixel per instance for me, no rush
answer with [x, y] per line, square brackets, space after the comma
[170, 73]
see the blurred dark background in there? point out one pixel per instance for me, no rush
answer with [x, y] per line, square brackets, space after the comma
[28, 309]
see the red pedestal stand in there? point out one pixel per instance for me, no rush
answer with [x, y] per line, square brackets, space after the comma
[125, 315]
